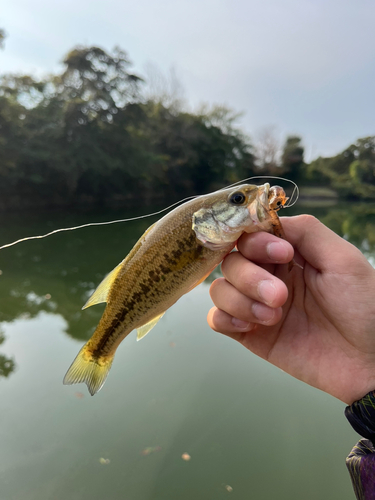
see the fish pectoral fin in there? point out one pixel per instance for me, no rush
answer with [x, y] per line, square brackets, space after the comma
[101, 293]
[143, 330]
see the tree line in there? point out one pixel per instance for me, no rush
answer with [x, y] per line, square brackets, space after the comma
[93, 135]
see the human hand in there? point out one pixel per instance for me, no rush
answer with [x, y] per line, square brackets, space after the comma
[315, 323]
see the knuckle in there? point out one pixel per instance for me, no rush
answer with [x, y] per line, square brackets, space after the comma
[248, 316]
[229, 260]
[249, 244]
[213, 326]
[216, 285]
[214, 319]
[309, 220]
[233, 266]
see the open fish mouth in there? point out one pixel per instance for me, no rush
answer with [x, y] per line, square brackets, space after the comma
[259, 208]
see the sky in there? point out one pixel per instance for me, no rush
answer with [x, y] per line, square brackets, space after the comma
[304, 67]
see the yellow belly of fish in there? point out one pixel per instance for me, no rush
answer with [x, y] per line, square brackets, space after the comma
[149, 281]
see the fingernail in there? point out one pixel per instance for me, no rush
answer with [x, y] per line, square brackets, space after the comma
[267, 291]
[242, 325]
[277, 251]
[262, 312]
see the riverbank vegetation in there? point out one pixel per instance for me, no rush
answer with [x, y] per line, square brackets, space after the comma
[94, 134]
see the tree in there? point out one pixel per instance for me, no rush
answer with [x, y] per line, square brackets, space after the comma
[89, 134]
[52, 130]
[2, 38]
[352, 172]
[164, 89]
[267, 150]
[197, 153]
[292, 157]
[96, 84]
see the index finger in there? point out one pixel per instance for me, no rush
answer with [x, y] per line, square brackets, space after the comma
[265, 248]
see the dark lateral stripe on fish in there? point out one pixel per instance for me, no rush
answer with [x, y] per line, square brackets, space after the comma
[172, 257]
[138, 297]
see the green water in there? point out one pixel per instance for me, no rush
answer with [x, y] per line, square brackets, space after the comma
[252, 431]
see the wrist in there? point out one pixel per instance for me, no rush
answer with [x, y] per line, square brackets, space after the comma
[356, 380]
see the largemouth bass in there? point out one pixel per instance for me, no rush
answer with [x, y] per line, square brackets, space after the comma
[171, 258]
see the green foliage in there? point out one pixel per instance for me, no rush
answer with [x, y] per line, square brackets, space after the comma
[356, 222]
[88, 135]
[95, 85]
[352, 172]
[362, 173]
[292, 158]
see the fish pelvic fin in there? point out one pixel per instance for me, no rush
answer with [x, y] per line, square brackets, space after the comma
[89, 369]
[142, 331]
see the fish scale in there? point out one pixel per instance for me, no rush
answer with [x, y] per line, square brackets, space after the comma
[172, 257]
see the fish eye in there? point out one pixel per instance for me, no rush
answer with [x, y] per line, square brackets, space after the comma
[237, 198]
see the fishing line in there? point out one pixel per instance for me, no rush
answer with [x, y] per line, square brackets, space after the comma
[294, 193]
[94, 224]
[90, 224]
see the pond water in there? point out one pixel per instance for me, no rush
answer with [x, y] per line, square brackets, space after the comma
[250, 430]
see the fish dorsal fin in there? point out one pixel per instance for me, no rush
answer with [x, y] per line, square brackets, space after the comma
[101, 293]
[143, 330]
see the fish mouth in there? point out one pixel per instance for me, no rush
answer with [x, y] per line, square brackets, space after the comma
[259, 208]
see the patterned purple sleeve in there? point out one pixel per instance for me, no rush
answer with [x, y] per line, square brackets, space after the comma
[361, 460]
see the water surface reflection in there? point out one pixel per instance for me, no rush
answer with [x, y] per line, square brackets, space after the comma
[183, 389]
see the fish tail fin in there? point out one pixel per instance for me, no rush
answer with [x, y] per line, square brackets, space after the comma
[89, 369]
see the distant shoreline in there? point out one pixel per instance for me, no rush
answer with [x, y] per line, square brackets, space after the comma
[318, 194]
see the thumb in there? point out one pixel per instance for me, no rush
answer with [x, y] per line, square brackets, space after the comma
[318, 245]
